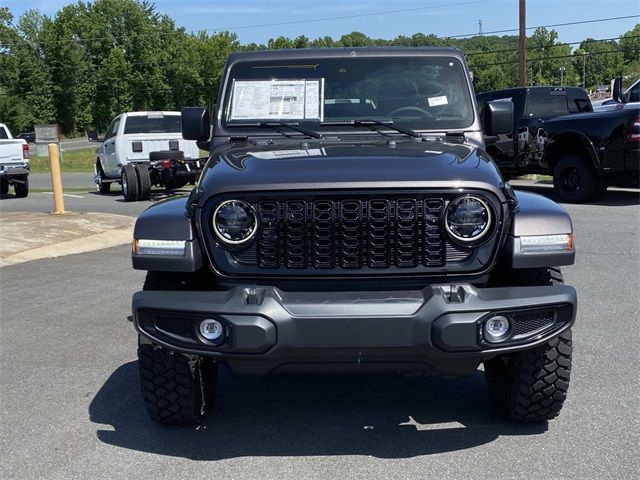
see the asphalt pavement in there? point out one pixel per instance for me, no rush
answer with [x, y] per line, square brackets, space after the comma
[69, 180]
[71, 405]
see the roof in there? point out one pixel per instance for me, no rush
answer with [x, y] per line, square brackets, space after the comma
[305, 53]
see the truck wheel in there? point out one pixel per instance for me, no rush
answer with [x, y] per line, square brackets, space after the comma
[144, 182]
[574, 180]
[129, 183]
[22, 189]
[176, 388]
[4, 187]
[103, 187]
[531, 385]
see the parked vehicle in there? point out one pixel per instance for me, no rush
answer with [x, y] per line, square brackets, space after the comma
[14, 164]
[145, 149]
[555, 133]
[369, 235]
[630, 99]
[29, 137]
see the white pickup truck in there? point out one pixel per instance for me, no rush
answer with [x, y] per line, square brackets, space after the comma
[142, 149]
[14, 163]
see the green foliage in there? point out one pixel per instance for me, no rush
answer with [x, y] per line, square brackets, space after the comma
[94, 60]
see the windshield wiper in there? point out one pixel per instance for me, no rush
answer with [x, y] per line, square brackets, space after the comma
[278, 123]
[374, 123]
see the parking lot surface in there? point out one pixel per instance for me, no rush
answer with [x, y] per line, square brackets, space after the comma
[71, 406]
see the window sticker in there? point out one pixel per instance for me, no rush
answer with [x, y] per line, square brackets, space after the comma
[437, 101]
[277, 99]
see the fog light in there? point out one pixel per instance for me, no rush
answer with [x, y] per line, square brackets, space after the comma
[212, 330]
[496, 328]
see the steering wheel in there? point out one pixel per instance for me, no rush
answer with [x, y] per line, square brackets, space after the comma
[421, 111]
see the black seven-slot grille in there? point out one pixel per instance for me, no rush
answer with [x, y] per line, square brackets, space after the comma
[351, 233]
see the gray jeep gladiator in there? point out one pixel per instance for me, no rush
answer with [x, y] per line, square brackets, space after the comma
[349, 219]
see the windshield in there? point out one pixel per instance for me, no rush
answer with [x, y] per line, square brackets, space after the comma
[153, 123]
[419, 93]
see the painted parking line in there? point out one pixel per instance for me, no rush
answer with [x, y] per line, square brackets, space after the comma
[66, 195]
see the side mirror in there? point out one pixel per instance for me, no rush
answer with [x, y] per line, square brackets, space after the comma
[616, 91]
[195, 124]
[497, 118]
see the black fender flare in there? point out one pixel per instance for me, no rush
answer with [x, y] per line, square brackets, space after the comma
[570, 142]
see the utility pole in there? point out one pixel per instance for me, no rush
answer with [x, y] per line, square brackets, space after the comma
[584, 69]
[523, 43]
[562, 76]
[479, 27]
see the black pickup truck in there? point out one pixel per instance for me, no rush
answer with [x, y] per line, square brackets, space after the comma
[555, 132]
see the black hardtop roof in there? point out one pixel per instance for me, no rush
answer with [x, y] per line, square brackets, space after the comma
[534, 88]
[345, 52]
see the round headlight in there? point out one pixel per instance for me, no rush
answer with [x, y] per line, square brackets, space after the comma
[235, 222]
[468, 219]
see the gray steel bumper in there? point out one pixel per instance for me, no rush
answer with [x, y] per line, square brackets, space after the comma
[438, 328]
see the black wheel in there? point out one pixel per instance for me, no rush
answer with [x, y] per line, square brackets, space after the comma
[531, 385]
[166, 155]
[574, 180]
[4, 187]
[144, 181]
[103, 187]
[176, 389]
[22, 188]
[129, 183]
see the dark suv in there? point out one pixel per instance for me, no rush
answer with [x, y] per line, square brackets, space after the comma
[350, 220]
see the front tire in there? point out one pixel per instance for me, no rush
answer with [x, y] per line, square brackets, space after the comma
[176, 388]
[103, 187]
[532, 385]
[4, 186]
[574, 181]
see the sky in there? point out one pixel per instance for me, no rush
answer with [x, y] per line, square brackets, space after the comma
[250, 19]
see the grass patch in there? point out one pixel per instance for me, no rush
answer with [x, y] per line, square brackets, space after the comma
[79, 161]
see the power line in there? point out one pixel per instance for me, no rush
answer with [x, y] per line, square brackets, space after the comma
[580, 22]
[592, 40]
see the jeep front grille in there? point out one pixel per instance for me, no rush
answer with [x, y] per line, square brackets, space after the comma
[351, 233]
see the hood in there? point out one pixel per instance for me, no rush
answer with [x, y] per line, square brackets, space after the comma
[315, 165]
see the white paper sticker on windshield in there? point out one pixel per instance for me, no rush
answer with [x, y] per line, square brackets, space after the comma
[276, 99]
[437, 101]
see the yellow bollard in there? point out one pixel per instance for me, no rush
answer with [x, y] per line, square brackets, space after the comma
[56, 180]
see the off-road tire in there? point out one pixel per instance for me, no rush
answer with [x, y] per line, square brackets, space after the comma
[4, 187]
[532, 385]
[574, 180]
[21, 189]
[144, 181]
[176, 389]
[103, 187]
[129, 183]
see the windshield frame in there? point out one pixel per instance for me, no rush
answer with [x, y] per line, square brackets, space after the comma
[317, 55]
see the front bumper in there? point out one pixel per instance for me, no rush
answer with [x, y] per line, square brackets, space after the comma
[436, 329]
